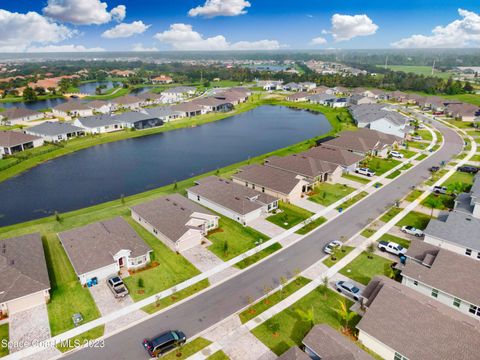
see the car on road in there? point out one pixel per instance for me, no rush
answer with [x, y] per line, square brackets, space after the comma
[349, 288]
[411, 230]
[328, 249]
[365, 172]
[164, 342]
[392, 247]
[396, 154]
[116, 285]
[434, 169]
[468, 169]
[440, 190]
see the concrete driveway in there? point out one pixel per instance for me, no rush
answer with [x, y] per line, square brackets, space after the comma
[266, 227]
[306, 204]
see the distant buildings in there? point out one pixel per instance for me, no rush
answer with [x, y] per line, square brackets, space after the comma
[162, 79]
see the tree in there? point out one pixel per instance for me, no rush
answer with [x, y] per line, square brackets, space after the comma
[140, 283]
[29, 94]
[307, 316]
[225, 247]
[335, 253]
[433, 202]
[324, 286]
[371, 249]
[345, 315]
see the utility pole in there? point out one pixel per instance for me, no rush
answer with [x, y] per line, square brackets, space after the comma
[433, 66]
[386, 62]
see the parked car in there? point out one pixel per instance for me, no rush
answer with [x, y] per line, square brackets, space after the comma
[417, 137]
[396, 154]
[392, 247]
[328, 249]
[164, 342]
[349, 288]
[365, 171]
[117, 286]
[408, 229]
[440, 190]
[468, 169]
[434, 169]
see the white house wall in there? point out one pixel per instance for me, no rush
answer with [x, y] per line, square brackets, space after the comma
[376, 346]
[25, 302]
[101, 273]
[449, 246]
[387, 127]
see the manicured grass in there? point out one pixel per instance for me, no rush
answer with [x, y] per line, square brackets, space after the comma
[362, 269]
[421, 157]
[435, 177]
[219, 355]
[326, 193]
[238, 238]
[475, 158]
[394, 174]
[419, 70]
[81, 339]
[289, 216]
[353, 200]
[188, 349]
[4, 339]
[413, 195]
[407, 153]
[362, 180]
[168, 268]
[287, 328]
[368, 232]
[468, 98]
[311, 225]
[415, 219]
[425, 134]
[440, 202]
[341, 254]
[417, 145]
[390, 214]
[459, 181]
[392, 238]
[258, 256]
[275, 298]
[381, 166]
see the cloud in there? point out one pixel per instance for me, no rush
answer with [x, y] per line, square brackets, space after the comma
[83, 12]
[183, 37]
[125, 30]
[459, 33]
[63, 48]
[21, 30]
[140, 47]
[346, 27]
[213, 8]
[319, 41]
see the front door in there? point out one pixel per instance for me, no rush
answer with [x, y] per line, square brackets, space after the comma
[120, 262]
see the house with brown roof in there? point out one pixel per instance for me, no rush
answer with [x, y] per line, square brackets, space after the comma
[176, 221]
[101, 249]
[72, 108]
[14, 116]
[234, 96]
[24, 281]
[150, 98]
[122, 73]
[294, 353]
[463, 111]
[445, 276]
[298, 97]
[127, 102]
[281, 184]
[398, 96]
[100, 106]
[231, 199]
[211, 103]
[348, 160]
[162, 79]
[12, 142]
[401, 323]
[434, 103]
[189, 109]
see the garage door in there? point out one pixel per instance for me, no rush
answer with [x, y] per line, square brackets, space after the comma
[189, 242]
[25, 303]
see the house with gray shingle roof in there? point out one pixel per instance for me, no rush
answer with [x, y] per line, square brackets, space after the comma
[13, 116]
[100, 124]
[381, 118]
[127, 102]
[12, 142]
[55, 131]
[101, 249]
[165, 113]
[24, 281]
[100, 106]
[176, 221]
[347, 160]
[72, 108]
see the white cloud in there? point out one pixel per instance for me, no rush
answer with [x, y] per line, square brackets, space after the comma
[140, 47]
[83, 12]
[21, 30]
[319, 41]
[125, 30]
[63, 48]
[459, 33]
[213, 8]
[183, 37]
[346, 27]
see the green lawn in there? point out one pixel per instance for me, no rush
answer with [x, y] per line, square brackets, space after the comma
[341, 254]
[419, 70]
[425, 134]
[258, 256]
[435, 177]
[421, 157]
[408, 153]
[415, 219]
[390, 214]
[311, 225]
[475, 158]
[368, 232]
[439, 201]
[326, 193]
[417, 145]
[353, 200]
[188, 349]
[81, 339]
[232, 239]
[287, 328]
[219, 355]
[362, 269]
[381, 166]
[168, 268]
[3, 338]
[392, 238]
[275, 298]
[413, 195]
[290, 215]
[394, 174]
[459, 181]
[362, 180]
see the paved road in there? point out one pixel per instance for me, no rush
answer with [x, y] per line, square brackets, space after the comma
[214, 305]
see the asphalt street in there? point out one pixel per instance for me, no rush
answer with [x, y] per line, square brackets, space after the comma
[210, 307]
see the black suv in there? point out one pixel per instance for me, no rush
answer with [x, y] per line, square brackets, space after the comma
[164, 342]
[468, 169]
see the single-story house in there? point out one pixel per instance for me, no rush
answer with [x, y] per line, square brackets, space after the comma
[375, 93]
[443, 275]
[178, 93]
[24, 281]
[165, 113]
[233, 96]
[213, 104]
[13, 116]
[100, 106]
[127, 102]
[139, 120]
[348, 160]
[270, 85]
[189, 109]
[292, 86]
[434, 103]
[99, 124]
[150, 98]
[232, 200]
[72, 108]
[299, 96]
[319, 90]
[281, 184]
[400, 323]
[341, 90]
[12, 142]
[337, 102]
[398, 96]
[322, 99]
[162, 79]
[381, 118]
[176, 221]
[361, 100]
[55, 131]
[413, 98]
[307, 85]
[464, 112]
[100, 249]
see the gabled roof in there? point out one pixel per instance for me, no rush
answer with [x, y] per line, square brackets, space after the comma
[23, 269]
[187, 107]
[71, 106]
[18, 113]
[50, 128]
[96, 104]
[299, 95]
[210, 101]
[362, 140]
[302, 165]
[161, 112]
[127, 100]
[294, 353]
[98, 121]
[333, 155]
[14, 138]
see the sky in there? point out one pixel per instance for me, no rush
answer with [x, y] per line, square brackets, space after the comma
[211, 25]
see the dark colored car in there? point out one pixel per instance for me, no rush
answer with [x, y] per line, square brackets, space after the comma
[164, 342]
[434, 168]
[468, 169]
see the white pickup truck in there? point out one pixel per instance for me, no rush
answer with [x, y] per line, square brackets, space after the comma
[392, 248]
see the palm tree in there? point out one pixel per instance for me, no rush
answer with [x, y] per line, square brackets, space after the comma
[345, 315]
[432, 202]
[307, 316]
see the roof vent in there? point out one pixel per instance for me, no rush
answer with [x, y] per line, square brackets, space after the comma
[12, 262]
[468, 219]
[237, 198]
[182, 208]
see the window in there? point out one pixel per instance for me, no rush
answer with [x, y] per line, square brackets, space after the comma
[263, 189]
[246, 183]
[198, 197]
[399, 356]
[415, 282]
[456, 302]
[478, 255]
[434, 293]
[253, 186]
[468, 252]
[475, 310]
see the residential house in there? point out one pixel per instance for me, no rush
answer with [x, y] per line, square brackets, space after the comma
[399, 323]
[281, 184]
[12, 142]
[231, 199]
[213, 104]
[445, 276]
[360, 100]
[234, 97]
[139, 120]
[150, 98]
[189, 109]
[321, 99]
[307, 86]
[72, 108]
[176, 221]
[381, 118]
[162, 79]
[178, 93]
[299, 96]
[24, 280]
[341, 90]
[270, 85]
[291, 86]
[55, 131]
[434, 103]
[165, 113]
[130, 102]
[398, 96]
[14, 116]
[464, 112]
[413, 98]
[319, 90]
[337, 102]
[348, 160]
[122, 73]
[375, 94]
[294, 353]
[100, 106]
[101, 249]
[99, 124]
